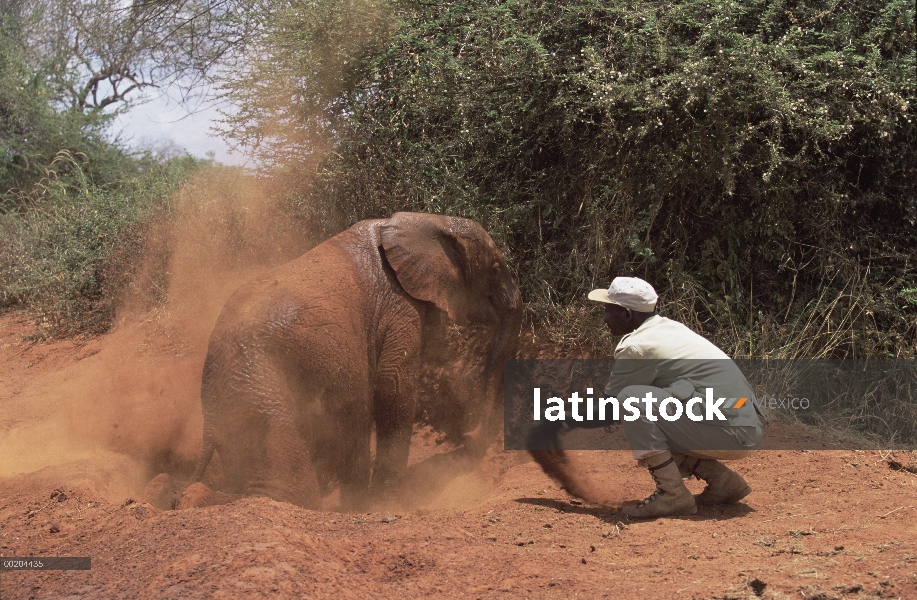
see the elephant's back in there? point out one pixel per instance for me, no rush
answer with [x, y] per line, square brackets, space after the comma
[322, 281]
[307, 314]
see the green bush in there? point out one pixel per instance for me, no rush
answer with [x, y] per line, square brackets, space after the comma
[754, 160]
[66, 258]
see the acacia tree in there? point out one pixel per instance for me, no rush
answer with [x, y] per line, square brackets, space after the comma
[69, 66]
[101, 53]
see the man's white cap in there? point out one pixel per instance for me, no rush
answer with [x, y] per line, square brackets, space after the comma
[629, 292]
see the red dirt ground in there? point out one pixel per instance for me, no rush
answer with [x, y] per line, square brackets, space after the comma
[84, 424]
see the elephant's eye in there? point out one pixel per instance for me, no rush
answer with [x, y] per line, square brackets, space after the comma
[492, 298]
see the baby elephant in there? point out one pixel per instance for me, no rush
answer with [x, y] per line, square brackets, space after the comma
[392, 322]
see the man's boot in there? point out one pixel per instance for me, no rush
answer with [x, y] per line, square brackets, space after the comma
[671, 498]
[724, 486]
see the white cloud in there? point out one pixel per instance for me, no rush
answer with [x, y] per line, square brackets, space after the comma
[162, 121]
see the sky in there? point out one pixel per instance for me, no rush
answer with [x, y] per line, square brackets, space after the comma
[163, 120]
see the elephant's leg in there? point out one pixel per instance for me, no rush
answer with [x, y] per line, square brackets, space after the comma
[394, 417]
[262, 448]
[392, 447]
[355, 471]
[267, 456]
[394, 401]
[289, 473]
[338, 417]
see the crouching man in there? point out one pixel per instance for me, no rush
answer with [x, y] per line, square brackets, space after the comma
[658, 358]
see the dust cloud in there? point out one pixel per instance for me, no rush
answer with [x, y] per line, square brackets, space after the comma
[130, 407]
[117, 410]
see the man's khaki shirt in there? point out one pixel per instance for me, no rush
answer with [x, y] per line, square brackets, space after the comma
[666, 354]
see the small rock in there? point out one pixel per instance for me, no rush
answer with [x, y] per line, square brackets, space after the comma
[55, 528]
[583, 560]
[389, 518]
[591, 548]
[62, 497]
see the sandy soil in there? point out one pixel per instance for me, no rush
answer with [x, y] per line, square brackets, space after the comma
[84, 424]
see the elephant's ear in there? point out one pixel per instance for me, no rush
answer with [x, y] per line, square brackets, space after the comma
[429, 260]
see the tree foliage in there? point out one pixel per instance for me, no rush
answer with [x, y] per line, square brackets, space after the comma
[103, 53]
[755, 160]
[75, 206]
[33, 130]
[307, 68]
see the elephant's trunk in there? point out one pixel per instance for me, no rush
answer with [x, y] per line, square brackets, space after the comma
[562, 467]
[483, 424]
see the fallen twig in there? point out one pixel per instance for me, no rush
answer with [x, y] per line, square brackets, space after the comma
[894, 511]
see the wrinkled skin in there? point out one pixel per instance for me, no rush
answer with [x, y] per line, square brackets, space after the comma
[391, 322]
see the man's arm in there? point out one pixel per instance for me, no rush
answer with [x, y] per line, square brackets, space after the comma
[630, 371]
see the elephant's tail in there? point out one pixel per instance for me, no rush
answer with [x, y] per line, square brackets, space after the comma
[206, 455]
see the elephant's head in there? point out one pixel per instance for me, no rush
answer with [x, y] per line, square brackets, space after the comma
[453, 263]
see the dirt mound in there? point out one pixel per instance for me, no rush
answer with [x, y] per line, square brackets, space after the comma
[820, 524]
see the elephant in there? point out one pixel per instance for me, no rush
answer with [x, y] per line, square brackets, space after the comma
[390, 323]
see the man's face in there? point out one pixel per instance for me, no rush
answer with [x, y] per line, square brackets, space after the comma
[618, 319]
